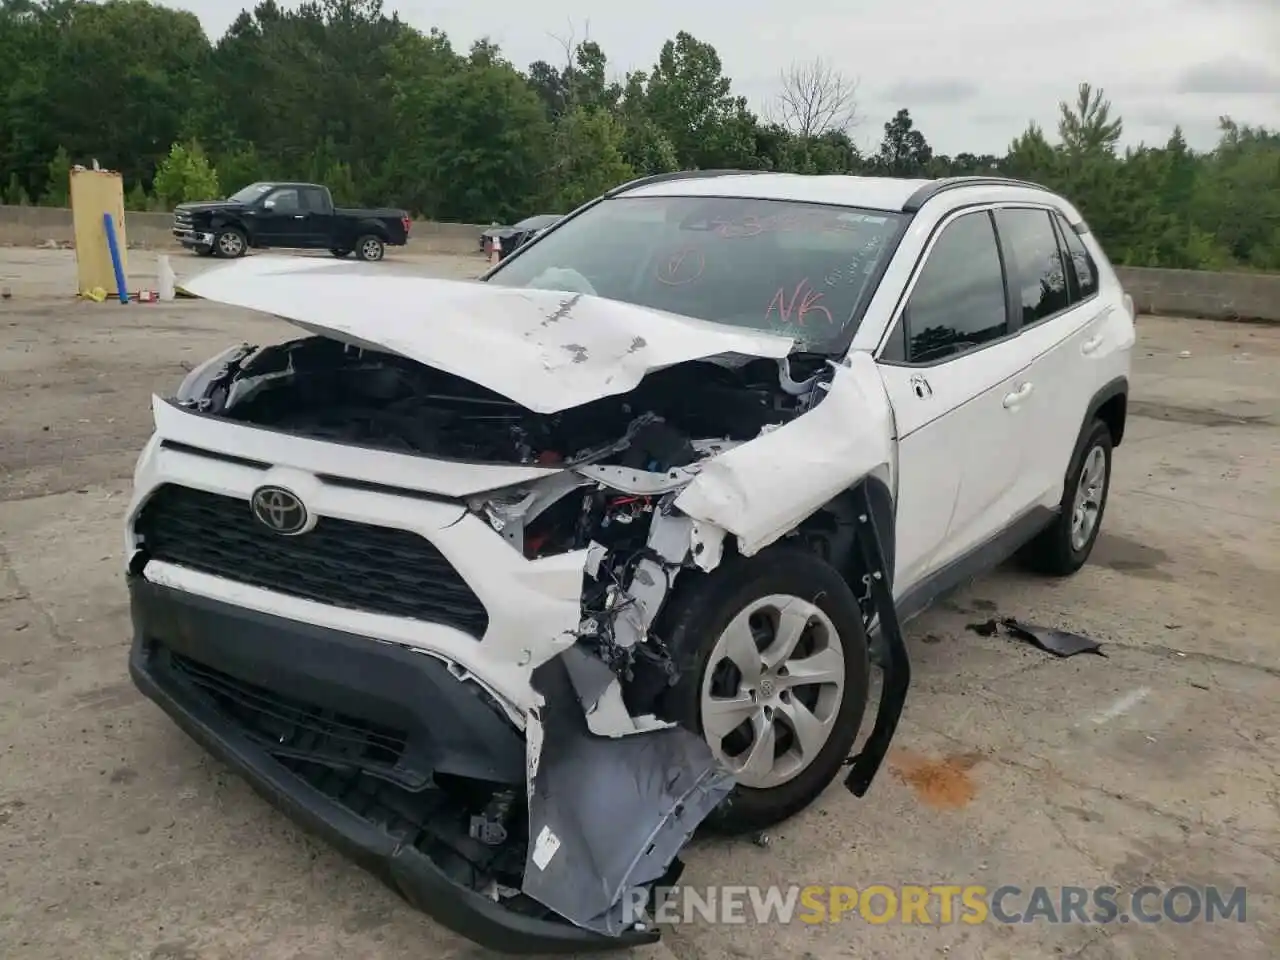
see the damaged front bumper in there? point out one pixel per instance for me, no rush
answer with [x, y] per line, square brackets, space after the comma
[354, 738]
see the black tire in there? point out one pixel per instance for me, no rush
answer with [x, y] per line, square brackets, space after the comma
[371, 249]
[230, 244]
[691, 624]
[339, 253]
[1052, 552]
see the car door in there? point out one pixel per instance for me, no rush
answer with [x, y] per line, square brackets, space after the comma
[955, 376]
[1061, 322]
[317, 227]
[281, 222]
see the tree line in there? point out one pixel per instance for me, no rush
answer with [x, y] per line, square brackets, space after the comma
[341, 93]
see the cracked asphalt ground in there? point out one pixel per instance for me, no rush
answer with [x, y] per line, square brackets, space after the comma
[1158, 764]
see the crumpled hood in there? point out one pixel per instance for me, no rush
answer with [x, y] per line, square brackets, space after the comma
[546, 350]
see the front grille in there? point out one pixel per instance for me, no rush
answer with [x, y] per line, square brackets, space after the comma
[353, 565]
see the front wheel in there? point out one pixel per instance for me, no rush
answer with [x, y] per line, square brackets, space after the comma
[230, 244]
[370, 249]
[1063, 547]
[774, 674]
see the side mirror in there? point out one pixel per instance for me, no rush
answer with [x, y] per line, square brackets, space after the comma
[269, 203]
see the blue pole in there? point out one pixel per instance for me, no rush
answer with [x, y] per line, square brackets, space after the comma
[110, 227]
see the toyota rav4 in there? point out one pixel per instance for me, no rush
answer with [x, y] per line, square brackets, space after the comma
[506, 587]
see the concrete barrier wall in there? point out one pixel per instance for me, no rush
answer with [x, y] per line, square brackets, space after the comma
[1191, 293]
[1202, 293]
[33, 226]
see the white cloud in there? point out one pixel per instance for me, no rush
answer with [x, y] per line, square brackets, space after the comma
[1013, 59]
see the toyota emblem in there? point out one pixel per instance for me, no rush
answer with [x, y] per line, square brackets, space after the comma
[279, 510]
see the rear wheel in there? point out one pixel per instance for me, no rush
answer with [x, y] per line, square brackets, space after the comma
[774, 675]
[370, 249]
[1063, 547]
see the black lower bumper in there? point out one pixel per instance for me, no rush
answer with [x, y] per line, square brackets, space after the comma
[195, 657]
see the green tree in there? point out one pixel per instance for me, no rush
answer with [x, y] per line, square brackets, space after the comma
[1031, 157]
[904, 152]
[15, 194]
[475, 139]
[1086, 128]
[120, 79]
[688, 97]
[588, 150]
[57, 184]
[185, 175]
[240, 166]
[1237, 200]
[136, 198]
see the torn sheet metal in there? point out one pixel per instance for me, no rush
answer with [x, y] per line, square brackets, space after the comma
[763, 489]
[608, 816]
[544, 349]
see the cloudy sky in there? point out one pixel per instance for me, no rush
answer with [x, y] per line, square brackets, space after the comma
[972, 73]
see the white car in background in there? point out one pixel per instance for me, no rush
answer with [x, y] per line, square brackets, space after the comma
[505, 587]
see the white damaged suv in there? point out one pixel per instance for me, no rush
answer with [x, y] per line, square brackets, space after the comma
[505, 587]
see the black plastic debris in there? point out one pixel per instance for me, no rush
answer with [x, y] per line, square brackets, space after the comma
[1061, 643]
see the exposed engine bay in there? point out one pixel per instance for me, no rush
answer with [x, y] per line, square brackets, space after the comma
[318, 387]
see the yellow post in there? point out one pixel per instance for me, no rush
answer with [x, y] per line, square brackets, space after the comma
[93, 193]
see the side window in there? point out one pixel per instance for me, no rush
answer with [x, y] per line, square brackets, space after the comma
[312, 200]
[1083, 267]
[958, 302]
[286, 201]
[1036, 272]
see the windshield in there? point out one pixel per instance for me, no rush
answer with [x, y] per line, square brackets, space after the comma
[799, 269]
[250, 193]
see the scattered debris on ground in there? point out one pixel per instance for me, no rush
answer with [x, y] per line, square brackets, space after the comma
[1060, 643]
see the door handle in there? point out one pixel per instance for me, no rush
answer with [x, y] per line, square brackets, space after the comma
[1011, 400]
[921, 387]
[299, 216]
[1091, 345]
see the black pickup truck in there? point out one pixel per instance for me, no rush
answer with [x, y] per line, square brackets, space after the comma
[294, 215]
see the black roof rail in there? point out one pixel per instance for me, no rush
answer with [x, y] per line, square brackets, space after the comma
[935, 187]
[678, 175]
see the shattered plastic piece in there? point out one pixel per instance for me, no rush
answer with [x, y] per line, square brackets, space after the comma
[608, 816]
[708, 545]
[1060, 643]
[589, 677]
[596, 552]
